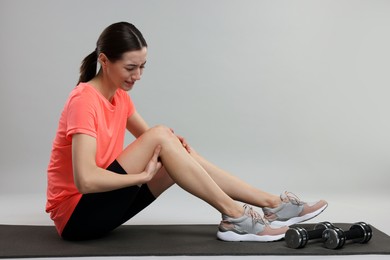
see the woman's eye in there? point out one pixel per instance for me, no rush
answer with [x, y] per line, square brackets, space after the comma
[134, 68]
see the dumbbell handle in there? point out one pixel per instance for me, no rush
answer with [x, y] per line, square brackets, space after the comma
[316, 233]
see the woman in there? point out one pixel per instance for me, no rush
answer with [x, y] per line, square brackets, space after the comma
[95, 186]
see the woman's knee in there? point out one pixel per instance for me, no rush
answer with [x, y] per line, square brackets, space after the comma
[161, 133]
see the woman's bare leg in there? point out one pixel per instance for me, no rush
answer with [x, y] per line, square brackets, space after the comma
[160, 183]
[241, 191]
[182, 168]
[236, 188]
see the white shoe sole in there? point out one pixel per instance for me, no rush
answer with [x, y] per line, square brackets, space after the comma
[234, 237]
[296, 220]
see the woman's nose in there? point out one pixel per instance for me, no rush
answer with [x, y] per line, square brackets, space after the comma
[136, 75]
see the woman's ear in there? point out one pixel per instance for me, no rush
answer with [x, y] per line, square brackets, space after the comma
[103, 60]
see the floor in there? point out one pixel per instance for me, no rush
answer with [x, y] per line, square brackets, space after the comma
[27, 209]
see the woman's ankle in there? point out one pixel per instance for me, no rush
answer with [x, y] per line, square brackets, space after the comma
[237, 212]
[273, 202]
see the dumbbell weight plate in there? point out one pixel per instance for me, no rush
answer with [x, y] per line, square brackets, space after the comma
[296, 237]
[364, 229]
[333, 238]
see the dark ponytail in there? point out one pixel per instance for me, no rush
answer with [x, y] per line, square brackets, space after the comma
[115, 40]
[88, 67]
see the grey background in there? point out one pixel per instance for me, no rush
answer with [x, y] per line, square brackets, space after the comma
[288, 95]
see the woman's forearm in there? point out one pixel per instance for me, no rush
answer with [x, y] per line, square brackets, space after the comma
[101, 180]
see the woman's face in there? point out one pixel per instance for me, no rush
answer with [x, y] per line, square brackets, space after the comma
[126, 71]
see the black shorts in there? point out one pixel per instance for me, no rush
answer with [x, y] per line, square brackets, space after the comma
[97, 214]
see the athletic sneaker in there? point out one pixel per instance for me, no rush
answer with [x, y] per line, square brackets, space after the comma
[250, 227]
[293, 210]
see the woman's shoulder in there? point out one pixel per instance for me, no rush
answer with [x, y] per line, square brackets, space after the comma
[85, 92]
[83, 89]
[82, 95]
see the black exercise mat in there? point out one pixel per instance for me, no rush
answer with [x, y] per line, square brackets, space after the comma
[164, 240]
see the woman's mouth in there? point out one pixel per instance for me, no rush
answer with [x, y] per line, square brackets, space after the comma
[129, 84]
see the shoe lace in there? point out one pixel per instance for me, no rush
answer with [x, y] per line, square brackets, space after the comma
[256, 217]
[292, 198]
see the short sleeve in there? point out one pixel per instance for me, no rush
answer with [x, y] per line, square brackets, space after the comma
[81, 116]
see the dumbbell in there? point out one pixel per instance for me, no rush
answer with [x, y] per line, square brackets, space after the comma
[334, 238]
[297, 237]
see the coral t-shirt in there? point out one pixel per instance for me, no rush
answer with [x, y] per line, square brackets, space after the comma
[86, 111]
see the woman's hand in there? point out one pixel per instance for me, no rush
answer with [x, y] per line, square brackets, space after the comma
[183, 142]
[154, 165]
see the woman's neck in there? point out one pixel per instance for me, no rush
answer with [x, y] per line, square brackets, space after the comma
[101, 85]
